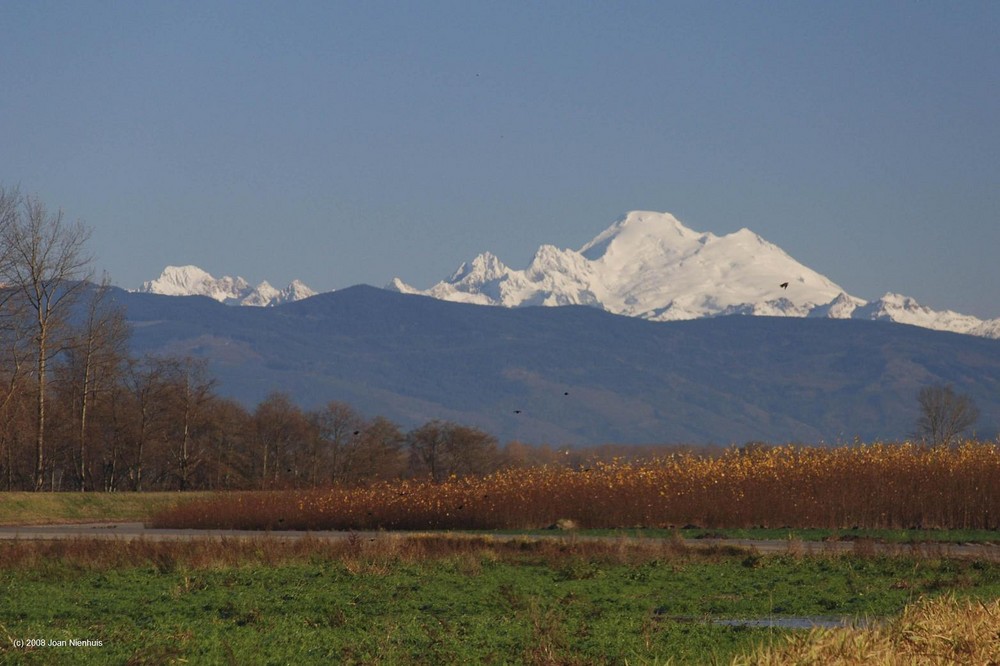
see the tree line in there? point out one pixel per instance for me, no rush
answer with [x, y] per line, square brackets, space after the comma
[78, 411]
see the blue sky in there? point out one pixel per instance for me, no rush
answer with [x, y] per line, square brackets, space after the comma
[342, 143]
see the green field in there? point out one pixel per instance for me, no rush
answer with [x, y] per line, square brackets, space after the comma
[436, 598]
[433, 600]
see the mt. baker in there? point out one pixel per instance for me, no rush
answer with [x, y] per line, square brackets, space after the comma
[649, 265]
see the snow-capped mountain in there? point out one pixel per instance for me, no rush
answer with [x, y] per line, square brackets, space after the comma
[905, 310]
[650, 265]
[193, 281]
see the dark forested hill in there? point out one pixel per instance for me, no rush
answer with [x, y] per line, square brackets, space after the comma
[575, 375]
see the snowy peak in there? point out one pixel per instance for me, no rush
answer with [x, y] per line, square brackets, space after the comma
[395, 284]
[641, 233]
[841, 307]
[650, 265]
[261, 296]
[905, 310]
[483, 269]
[193, 281]
[295, 291]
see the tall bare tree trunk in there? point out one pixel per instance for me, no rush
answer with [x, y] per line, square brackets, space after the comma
[40, 411]
[82, 432]
[44, 270]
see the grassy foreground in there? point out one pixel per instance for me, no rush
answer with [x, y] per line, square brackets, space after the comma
[433, 600]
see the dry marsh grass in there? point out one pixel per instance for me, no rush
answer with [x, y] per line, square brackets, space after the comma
[875, 486]
[356, 550]
[931, 631]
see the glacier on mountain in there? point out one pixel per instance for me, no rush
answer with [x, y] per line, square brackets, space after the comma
[193, 281]
[649, 265]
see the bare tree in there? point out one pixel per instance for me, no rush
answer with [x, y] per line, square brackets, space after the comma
[44, 268]
[427, 450]
[442, 449]
[335, 429]
[115, 432]
[189, 397]
[15, 352]
[15, 423]
[281, 429]
[944, 414]
[378, 451]
[141, 409]
[93, 365]
[353, 450]
[229, 457]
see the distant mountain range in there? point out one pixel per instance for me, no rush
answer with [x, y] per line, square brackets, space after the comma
[193, 281]
[576, 375]
[646, 265]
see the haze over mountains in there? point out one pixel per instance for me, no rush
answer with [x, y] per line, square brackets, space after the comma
[646, 265]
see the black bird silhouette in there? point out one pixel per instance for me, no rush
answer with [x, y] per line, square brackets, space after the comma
[565, 392]
[517, 411]
[783, 285]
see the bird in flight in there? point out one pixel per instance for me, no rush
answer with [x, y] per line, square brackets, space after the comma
[783, 285]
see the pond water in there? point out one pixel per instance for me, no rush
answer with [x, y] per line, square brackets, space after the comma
[793, 622]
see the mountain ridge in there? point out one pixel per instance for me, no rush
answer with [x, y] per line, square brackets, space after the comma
[193, 281]
[575, 375]
[647, 265]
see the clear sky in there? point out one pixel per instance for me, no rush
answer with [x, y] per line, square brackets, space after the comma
[344, 143]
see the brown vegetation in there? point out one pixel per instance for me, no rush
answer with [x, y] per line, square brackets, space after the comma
[931, 631]
[870, 486]
[359, 549]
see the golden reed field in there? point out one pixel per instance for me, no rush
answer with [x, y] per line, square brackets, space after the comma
[872, 486]
[930, 632]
